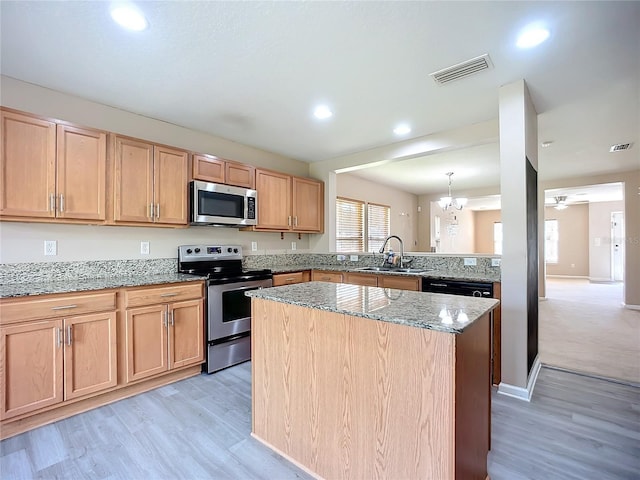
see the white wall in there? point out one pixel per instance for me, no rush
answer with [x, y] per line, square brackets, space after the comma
[23, 242]
[600, 239]
[457, 230]
[404, 206]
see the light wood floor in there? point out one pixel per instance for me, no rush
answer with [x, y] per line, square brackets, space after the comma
[584, 328]
[574, 428]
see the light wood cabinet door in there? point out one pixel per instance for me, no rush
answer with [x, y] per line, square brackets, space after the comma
[208, 168]
[27, 166]
[81, 173]
[186, 333]
[170, 185]
[30, 367]
[308, 205]
[146, 342]
[274, 200]
[133, 181]
[290, 278]
[401, 283]
[240, 175]
[90, 357]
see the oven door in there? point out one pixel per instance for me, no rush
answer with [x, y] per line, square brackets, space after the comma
[229, 310]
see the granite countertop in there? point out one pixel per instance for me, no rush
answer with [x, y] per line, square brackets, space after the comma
[434, 311]
[86, 284]
[429, 273]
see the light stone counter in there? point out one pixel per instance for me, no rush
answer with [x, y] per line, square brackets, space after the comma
[444, 313]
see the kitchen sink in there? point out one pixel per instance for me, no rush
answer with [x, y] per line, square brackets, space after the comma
[388, 269]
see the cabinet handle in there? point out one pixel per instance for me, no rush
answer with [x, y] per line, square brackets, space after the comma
[157, 210]
[58, 337]
[68, 334]
[290, 279]
[289, 221]
[64, 307]
[295, 221]
[151, 210]
[61, 203]
[52, 202]
[165, 322]
[172, 294]
[172, 321]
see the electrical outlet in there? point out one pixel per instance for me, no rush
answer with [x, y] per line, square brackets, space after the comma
[254, 246]
[144, 248]
[470, 262]
[353, 258]
[341, 258]
[293, 245]
[495, 262]
[50, 247]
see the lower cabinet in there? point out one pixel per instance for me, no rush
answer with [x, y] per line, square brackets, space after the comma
[162, 337]
[48, 361]
[401, 283]
[326, 276]
[291, 278]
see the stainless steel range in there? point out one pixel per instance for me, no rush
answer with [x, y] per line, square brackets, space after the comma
[228, 309]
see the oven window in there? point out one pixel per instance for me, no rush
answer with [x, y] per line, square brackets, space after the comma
[235, 305]
[215, 204]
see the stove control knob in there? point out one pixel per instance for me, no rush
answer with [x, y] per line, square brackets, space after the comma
[235, 250]
[197, 250]
[229, 249]
[189, 250]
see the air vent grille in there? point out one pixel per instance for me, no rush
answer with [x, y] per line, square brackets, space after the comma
[462, 70]
[619, 147]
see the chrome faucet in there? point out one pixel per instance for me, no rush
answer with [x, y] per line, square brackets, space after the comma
[384, 244]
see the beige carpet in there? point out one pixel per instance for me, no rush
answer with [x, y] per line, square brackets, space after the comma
[583, 327]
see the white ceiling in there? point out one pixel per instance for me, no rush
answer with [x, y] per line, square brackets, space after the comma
[253, 71]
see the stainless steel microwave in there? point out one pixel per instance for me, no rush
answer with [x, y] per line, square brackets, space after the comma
[216, 204]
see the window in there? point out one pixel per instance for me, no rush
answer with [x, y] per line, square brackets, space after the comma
[551, 241]
[361, 226]
[378, 226]
[497, 238]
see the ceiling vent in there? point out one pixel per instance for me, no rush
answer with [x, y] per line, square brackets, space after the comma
[462, 70]
[620, 146]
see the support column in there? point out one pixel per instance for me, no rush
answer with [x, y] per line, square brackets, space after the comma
[520, 221]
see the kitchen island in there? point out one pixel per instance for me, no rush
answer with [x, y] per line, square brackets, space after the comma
[351, 381]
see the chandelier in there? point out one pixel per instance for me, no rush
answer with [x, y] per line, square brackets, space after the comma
[561, 202]
[450, 202]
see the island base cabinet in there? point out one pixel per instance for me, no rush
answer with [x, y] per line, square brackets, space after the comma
[348, 397]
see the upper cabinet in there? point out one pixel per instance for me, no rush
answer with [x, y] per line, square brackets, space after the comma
[150, 183]
[289, 204]
[51, 170]
[209, 168]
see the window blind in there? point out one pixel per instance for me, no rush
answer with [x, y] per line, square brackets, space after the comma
[349, 225]
[378, 226]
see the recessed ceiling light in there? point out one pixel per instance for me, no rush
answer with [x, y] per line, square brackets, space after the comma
[128, 16]
[322, 112]
[402, 129]
[532, 36]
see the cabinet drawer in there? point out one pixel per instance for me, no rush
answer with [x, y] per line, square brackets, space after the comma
[365, 279]
[401, 283]
[34, 308]
[290, 278]
[320, 276]
[166, 294]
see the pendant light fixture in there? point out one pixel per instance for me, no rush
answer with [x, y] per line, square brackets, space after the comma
[561, 202]
[450, 202]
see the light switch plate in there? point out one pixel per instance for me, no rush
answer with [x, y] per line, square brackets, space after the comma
[254, 246]
[293, 245]
[353, 258]
[495, 262]
[144, 248]
[341, 258]
[470, 261]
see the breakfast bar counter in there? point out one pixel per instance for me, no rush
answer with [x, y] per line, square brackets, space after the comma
[363, 382]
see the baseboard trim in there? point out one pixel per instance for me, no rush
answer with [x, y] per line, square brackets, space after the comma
[519, 392]
[631, 307]
[585, 277]
[603, 280]
[592, 375]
